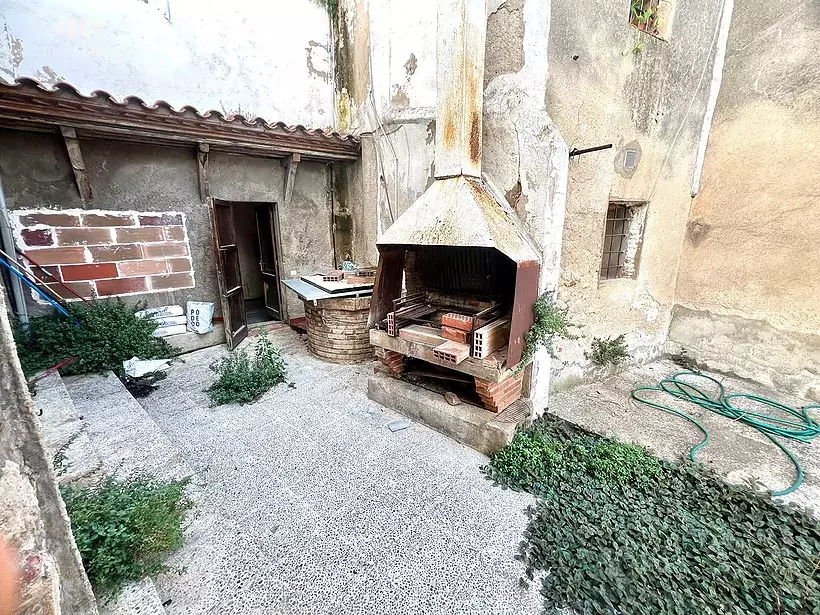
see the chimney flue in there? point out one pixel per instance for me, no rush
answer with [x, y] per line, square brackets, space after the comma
[462, 31]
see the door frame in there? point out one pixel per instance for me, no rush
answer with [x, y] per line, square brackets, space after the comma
[231, 339]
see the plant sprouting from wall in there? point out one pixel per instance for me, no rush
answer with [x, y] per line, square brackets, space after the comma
[550, 321]
[607, 351]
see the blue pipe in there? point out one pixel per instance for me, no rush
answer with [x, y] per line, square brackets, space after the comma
[33, 286]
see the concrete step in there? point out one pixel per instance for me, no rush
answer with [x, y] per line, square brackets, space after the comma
[64, 433]
[124, 435]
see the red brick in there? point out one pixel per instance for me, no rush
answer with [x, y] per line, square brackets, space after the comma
[140, 235]
[161, 220]
[57, 256]
[49, 219]
[82, 236]
[162, 250]
[49, 274]
[117, 252]
[108, 220]
[456, 335]
[89, 272]
[84, 289]
[121, 286]
[497, 396]
[457, 321]
[143, 267]
[176, 265]
[38, 237]
[174, 280]
[174, 233]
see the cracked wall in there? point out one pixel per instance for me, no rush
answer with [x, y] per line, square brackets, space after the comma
[610, 83]
[269, 59]
[749, 278]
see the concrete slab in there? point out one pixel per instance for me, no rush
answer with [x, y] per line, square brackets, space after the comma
[737, 451]
[310, 504]
[485, 431]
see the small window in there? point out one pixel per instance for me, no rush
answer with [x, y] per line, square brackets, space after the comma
[653, 17]
[623, 234]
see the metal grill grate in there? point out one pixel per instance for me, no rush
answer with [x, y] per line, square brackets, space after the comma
[618, 217]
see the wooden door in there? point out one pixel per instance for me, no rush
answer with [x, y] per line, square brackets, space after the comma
[268, 262]
[228, 275]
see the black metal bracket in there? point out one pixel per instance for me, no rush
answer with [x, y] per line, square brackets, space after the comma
[578, 152]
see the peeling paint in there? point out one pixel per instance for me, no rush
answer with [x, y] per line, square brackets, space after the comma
[47, 76]
[399, 98]
[312, 70]
[411, 65]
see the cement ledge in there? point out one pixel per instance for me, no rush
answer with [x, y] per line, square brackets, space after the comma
[482, 430]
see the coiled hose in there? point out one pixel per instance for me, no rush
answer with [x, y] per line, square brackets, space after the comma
[798, 426]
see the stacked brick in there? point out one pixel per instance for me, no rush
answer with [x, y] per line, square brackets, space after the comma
[337, 329]
[107, 253]
[497, 396]
[393, 361]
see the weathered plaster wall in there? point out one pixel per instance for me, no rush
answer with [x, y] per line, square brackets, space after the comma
[609, 83]
[270, 59]
[749, 279]
[32, 515]
[37, 174]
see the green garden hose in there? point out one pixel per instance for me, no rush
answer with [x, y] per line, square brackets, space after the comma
[798, 426]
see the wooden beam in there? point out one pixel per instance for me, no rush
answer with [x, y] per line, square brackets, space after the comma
[290, 163]
[75, 155]
[202, 171]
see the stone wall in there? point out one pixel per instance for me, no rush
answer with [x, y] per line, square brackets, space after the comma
[32, 515]
[142, 180]
[749, 277]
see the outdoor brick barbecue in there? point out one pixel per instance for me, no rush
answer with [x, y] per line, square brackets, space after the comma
[470, 269]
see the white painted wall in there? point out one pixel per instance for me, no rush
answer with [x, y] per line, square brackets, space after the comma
[259, 57]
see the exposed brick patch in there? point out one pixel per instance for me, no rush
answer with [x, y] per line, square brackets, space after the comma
[89, 272]
[105, 253]
[394, 362]
[116, 252]
[57, 256]
[177, 265]
[161, 220]
[162, 250]
[146, 267]
[174, 233]
[83, 236]
[38, 237]
[174, 280]
[140, 235]
[84, 289]
[107, 220]
[49, 219]
[497, 396]
[121, 286]
[48, 274]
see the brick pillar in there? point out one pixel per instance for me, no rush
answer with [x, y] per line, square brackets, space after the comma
[394, 362]
[497, 396]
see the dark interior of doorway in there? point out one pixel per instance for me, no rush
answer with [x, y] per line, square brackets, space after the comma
[255, 245]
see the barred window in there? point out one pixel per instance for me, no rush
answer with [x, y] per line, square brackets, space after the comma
[623, 235]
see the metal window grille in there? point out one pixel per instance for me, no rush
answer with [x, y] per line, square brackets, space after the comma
[616, 235]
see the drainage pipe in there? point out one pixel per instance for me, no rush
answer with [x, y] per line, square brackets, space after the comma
[7, 241]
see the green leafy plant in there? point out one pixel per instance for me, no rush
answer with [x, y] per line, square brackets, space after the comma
[619, 532]
[549, 321]
[124, 529]
[608, 351]
[109, 333]
[243, 379]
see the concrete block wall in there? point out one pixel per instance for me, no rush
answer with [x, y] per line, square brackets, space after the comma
[106, 253]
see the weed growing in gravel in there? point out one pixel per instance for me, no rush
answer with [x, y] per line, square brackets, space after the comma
[124, 529]
[244, 379]
[616, 531]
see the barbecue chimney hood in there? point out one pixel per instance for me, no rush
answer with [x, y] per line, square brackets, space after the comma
[460, 208]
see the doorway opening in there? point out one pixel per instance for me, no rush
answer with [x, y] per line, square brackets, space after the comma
[247, 265]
